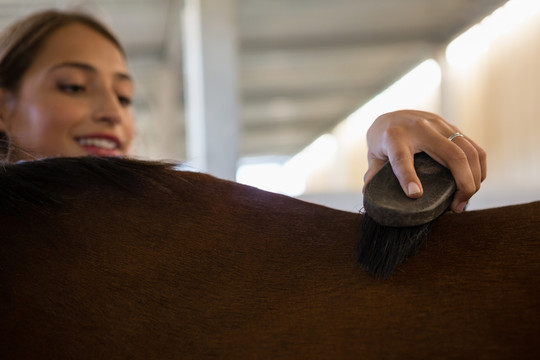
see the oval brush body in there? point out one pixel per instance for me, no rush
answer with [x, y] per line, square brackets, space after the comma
[394, 225]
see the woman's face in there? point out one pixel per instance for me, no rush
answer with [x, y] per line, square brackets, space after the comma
[74, 100]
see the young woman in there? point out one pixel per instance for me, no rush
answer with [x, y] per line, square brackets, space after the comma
[65, 90]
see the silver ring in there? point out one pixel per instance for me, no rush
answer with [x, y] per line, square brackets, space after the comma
[453, 136]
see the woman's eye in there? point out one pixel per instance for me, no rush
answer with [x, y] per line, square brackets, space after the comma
[124, 100]
[71, 88]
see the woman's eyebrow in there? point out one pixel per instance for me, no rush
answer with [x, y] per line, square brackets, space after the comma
[90, 68]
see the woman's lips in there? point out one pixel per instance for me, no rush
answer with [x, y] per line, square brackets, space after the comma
[100, 145]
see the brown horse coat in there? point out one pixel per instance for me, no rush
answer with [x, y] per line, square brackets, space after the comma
[123, 259]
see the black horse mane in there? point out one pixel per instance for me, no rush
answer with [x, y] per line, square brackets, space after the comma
[29, 184]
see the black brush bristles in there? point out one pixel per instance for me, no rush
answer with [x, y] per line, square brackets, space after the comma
[394, 225]
[383, 248]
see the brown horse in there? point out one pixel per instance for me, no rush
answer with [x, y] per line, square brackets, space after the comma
[118, 259]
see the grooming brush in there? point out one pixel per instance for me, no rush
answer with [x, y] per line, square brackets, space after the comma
[394, 225]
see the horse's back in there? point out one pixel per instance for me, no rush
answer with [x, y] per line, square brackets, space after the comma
[216, 269]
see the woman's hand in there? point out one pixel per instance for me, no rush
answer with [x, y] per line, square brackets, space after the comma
[397, 136]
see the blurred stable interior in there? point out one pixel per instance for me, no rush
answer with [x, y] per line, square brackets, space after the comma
[281, 92]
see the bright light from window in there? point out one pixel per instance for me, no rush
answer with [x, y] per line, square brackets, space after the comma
[290, 177]
[320, 151]
[468, 47]
[414, 90]
[475, 42]
[270, 177]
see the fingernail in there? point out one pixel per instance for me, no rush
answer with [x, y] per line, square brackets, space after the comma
[461, 207]
[413, 189]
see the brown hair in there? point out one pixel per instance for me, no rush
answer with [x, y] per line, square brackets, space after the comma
[21, 42]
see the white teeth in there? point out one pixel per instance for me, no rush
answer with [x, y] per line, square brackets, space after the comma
[98, 142]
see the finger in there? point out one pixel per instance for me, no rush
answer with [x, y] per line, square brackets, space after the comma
[482, 157]
[456, 160]
[402, 160]
[473, 159]
[403, 168]
[408, 180]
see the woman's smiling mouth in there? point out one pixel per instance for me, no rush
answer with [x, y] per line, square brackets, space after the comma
[100, 145]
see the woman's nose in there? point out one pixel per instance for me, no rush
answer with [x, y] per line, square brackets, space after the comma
[109, 110]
